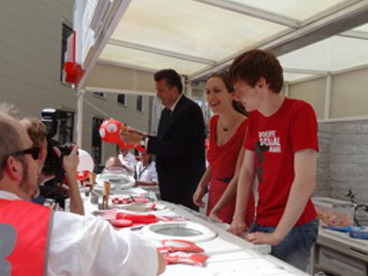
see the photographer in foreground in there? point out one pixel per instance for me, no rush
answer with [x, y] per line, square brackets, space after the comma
[59, 243]
[37, 133]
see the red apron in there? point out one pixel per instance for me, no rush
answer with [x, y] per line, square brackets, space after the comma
[23, 237]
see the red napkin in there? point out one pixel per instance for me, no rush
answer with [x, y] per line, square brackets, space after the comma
[185, 258]
[119, 223]
[180, 245]
[143, 219]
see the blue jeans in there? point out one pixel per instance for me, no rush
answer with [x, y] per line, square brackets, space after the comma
[295, 248]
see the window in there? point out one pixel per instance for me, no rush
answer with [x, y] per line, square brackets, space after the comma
[66, 32]
[66, 126]
[122, 99]
[96, 140]
[100, 95]
[140, 103]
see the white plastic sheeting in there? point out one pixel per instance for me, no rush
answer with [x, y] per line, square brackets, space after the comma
[332, 54]
[199, 36]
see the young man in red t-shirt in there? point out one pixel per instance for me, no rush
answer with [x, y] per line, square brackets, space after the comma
[281, 150]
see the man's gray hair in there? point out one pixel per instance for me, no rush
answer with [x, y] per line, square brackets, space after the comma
[11, 111]
[10, 140]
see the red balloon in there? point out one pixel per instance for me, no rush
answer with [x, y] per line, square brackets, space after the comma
[122, 144]
[82, 175]
[125, 145]
[141, 149]
[110, 131]
[129, 146]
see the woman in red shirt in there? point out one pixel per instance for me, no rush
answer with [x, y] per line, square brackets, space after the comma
[225, 154]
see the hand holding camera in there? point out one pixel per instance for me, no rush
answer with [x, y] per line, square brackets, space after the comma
[69, 162]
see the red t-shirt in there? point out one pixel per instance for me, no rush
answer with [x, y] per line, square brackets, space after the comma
[223, 160]
[275, 140]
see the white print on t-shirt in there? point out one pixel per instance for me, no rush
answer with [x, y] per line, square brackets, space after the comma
[269, 138]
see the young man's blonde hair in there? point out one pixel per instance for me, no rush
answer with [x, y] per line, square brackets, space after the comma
[36, 130]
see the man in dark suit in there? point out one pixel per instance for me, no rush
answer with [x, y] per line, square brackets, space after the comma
[179, 145]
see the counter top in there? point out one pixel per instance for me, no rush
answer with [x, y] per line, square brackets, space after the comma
[341, 242]
[229, 255]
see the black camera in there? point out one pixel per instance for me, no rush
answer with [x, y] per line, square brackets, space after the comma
[54, 164]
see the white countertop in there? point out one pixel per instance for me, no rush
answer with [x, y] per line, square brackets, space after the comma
[228, 254]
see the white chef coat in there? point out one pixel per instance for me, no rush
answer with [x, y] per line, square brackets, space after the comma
[85, 245]
[148, 174]
[128, 160]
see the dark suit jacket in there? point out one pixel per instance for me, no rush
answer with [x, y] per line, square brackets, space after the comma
[180, 152]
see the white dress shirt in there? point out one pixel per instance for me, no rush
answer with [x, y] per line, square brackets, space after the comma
[147, 174]
[172, 108]
[85, 245]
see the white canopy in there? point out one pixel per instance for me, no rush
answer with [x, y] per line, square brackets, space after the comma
[197, 37]
[122, 42]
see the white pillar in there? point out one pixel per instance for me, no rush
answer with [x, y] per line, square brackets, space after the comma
[286, 90]
[328, 97]
[204, 100]
[80, 117]
[183, 82]
[189, 90]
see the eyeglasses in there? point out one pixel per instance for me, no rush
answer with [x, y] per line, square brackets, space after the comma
[34, 151]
